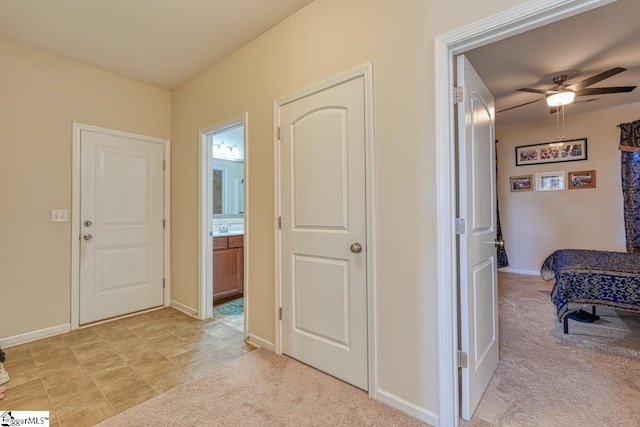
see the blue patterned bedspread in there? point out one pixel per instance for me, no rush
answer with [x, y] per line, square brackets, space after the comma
[593, 277]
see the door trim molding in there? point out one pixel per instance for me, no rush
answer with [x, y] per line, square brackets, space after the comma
[366, 72]
[205, 310]
[514, 21]
[78, 128]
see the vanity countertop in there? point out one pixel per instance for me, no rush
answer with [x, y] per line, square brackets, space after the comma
[231, 232]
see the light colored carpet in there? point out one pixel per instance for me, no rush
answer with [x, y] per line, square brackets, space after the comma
[263, 389]
[590, 377]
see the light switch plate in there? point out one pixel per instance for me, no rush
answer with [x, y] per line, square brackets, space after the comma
[59, 215]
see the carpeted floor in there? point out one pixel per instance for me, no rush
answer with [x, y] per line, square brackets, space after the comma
[590, 377]
[263, 389]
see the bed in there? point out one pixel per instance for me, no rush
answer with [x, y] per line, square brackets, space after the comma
[597, 278]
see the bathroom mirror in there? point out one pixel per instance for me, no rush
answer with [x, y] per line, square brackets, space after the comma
[228, 188]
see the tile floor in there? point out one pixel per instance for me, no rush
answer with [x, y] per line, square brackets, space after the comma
[85, 376]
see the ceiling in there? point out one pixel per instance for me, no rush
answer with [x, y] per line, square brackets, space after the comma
[581, 46]
[162, 42]
[166, 42]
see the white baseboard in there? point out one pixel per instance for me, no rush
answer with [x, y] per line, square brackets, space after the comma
[423, 414]
[519, 271]
[185, 309]
[257, 341]
[34, 335]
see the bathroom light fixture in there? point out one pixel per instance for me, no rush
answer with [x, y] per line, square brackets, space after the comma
[561, 98]
[225, 150]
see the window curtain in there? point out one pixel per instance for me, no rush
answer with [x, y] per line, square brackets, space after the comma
[630, 169]
[503, 261]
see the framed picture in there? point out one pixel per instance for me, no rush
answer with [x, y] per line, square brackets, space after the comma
[521, 183]
[550, 181]
[582, 179]
[552, 152]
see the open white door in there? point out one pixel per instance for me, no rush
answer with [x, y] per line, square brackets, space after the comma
[477, 207]
[323, 259]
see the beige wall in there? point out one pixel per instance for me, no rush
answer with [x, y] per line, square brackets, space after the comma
[324, 39]
[534, 224]
[40, 96]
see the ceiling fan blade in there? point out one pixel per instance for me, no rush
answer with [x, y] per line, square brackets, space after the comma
[604, 90]
[540, 91]
[518, 106]
[595, 79]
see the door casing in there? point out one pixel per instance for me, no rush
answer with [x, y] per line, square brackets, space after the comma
[514, 21]
[205, 306]
[75, 214]
[365, 71]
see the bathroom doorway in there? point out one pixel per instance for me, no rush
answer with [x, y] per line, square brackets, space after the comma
[223, 286]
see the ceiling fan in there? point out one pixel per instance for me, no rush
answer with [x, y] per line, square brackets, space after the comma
[563, 94]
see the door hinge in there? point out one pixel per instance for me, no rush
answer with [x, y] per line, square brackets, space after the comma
[280, 313]
[458, 94]
[163, 283]
[461, 226]
[164, 165]
[462, 359]
[279, 222]
[278, 132]
[164, 223]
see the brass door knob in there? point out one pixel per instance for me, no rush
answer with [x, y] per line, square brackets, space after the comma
[356, 248]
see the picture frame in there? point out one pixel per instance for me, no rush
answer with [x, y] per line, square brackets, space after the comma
[521, 183]
[582, 179]
[570, 150]
[550, 181]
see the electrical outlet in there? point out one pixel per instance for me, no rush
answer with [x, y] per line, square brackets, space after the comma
[59, 215]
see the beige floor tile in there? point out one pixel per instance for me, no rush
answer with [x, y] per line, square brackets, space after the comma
[30, 396]
[168, 380]
[21, 370]
[81, 336]
[131, 397]
[88, 375]
[17, 353]
[89, 416]
[72, 406]
[47, 346]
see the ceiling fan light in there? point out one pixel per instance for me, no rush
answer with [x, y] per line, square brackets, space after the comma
[560, 98]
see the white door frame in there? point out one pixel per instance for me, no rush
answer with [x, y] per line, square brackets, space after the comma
[75, 213]
[530, 15]
[365, 71]
[205, 305]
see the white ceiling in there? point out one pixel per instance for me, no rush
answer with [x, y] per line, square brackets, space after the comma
[162, 42]
[581, 46]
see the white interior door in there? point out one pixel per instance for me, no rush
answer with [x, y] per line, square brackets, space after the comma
[477, 205]
[323, 232]
[121, 214]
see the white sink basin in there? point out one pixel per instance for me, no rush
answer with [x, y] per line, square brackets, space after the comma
[231, 232]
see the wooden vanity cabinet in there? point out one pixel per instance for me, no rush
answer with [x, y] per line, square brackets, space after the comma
[228, 267]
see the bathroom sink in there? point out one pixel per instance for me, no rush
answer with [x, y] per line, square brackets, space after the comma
[231, 232]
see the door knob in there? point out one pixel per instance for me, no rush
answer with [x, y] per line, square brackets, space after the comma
[88, 237]
[498, 243]
[356, 248]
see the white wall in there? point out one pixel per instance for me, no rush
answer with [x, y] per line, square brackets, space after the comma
[41, 96]
[534, 224]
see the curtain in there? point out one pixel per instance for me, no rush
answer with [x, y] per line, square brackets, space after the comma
[503, 261]
[630, 170]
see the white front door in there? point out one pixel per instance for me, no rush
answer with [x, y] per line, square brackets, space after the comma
[323, 232]
[121, 224]
[477, 206]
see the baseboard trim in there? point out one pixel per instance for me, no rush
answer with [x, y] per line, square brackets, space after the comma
[416, 411]
[519, 271]
[185, 309]
[34, 335]
[257, 341]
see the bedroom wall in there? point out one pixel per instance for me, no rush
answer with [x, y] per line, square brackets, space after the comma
[534, 224]
[41, 96]
[326, 38]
